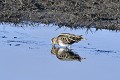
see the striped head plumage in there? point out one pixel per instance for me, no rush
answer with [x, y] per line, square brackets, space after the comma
[54, 41]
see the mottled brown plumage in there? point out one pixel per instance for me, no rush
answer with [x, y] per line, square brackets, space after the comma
[66, 39]
[66, 54]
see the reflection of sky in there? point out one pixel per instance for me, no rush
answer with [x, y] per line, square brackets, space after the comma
[25, 55]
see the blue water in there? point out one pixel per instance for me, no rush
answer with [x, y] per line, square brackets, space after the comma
[25, 54]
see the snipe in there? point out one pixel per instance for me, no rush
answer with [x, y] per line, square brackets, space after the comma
[66, 39]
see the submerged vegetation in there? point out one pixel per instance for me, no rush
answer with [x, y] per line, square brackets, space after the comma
[100, 14]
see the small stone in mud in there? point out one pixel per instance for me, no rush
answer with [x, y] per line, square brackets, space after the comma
[88, 43]
[15, 37]
[30, 48]
[105, 51]
[4, 37]
[10, 44]
[17, 45]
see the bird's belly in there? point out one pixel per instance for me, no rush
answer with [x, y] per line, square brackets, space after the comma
[62, 44]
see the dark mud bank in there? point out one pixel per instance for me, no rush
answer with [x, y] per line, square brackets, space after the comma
[101, 14]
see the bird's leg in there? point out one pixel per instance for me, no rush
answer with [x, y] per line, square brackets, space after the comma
[69, 47]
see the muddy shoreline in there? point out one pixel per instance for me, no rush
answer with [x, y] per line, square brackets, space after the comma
[100, 14]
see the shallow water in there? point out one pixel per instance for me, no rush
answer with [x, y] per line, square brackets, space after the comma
[25, 54]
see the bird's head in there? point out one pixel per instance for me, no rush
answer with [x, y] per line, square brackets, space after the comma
[54, 41]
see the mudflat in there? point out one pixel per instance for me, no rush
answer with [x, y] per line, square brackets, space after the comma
[100, 14]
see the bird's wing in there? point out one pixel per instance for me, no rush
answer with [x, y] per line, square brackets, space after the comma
[66, 39]
[66, 34]
[71, 38]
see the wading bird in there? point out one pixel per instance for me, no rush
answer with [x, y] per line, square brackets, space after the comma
[66, 39]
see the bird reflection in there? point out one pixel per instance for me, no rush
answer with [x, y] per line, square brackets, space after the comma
[65, 54]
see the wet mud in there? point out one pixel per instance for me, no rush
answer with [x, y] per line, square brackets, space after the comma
[99, 14]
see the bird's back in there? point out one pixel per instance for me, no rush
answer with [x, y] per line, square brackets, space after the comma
[69, 38]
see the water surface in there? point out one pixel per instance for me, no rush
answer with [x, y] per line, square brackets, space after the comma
[25, 54]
